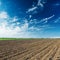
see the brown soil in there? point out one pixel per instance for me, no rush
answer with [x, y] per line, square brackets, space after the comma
[45, 49]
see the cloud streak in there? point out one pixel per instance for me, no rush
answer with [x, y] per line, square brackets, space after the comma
[35, 9]
[45, 20]
[57, 20]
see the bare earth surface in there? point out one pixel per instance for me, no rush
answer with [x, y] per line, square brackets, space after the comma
[45, 49]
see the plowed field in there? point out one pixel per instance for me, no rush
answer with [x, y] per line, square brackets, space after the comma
[45, 49]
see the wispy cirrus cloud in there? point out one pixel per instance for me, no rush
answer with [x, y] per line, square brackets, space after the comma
[31, 9]
[35, 9]
[40, 3]
[56, 4]
[57, 20]
[45, 20]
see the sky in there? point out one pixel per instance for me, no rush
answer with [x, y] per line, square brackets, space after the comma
[30, 18]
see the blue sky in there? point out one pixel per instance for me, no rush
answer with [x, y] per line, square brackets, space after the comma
[30, 18]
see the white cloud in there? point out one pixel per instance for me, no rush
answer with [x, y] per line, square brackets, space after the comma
[8, 29]
[33, 21]
[57, 4]
[57, 20]
[45, 20]
[17, 23]
[14, 19]
[34, 28]
[39, 3]
[17, 31]
[35, 8]
[30, 16]
[24, 27]
[11, 30]
[3, 15]
[32, 9]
